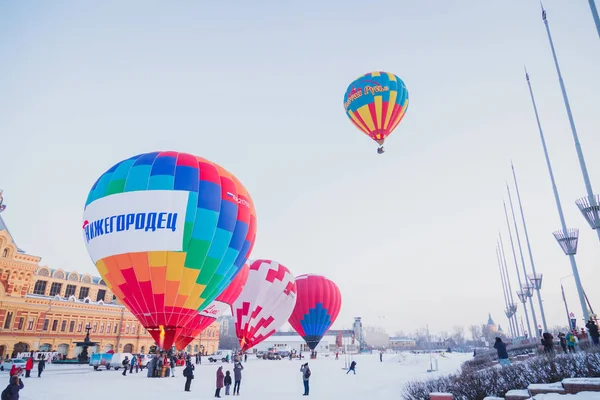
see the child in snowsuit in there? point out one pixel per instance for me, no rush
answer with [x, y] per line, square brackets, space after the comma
[227, 382]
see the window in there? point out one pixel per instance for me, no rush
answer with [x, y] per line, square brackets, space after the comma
[95, 327]
[133, 329]
[55, 288]
[63, 326]
[127, 329]
[102, 328]
[21, 321]
[101, 294]
[108, 327]
[83, 292]
[70, 290]
[40, 288]
[116, 328]
[30, 324]
[8, 320]
[79, 327]
[114, 298]
[5, 253]
[72, 326]
[54, 325]
[46, 322]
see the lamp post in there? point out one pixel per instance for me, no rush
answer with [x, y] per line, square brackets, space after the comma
[512, 246]
[526, 284]
[512, 305]
[595, 15]
[507, 310]
[534, 276]
[588, 205]
[567, 238]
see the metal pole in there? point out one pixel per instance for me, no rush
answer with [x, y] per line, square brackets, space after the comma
[558, 203]
[595, 15]
[539, 295]
[512, 210]
[586, 178]
[504, 290]
[512, 300]
[512, 245]
[562, 289]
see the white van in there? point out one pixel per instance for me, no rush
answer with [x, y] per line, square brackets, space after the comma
[221, 355]
[117, 360]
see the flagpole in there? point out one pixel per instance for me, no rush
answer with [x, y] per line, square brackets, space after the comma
[595, 15]
[588, 206]
[566, 238]
[513, 305]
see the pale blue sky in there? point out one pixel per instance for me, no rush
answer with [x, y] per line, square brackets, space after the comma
[257, 86]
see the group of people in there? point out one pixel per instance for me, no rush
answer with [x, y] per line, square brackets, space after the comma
[11, 392]
[224, 379]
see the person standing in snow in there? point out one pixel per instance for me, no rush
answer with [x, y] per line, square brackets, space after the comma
[125, 364]
[548, 342]
[305, 378]
[132, 364]
[593, 329]
[172, 367]
[28, 367]
[227, 382]
[245, 357]
[220, 382]
[352, 368]
[381, 356]
[188, 372]
[571, 340]
[237, 377]
[500, 347]
[41, 366]
[12, 390]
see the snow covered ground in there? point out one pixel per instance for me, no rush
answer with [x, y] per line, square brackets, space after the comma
[262, 380]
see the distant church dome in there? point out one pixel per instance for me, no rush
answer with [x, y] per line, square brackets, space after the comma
[492, 325]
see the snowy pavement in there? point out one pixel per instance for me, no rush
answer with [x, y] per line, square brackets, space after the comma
[262, 380]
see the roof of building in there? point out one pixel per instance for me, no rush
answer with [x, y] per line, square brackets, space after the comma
[401, 339]
[3, 227]
[490, 320]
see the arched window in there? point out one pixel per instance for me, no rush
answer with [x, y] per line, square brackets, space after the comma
[86, 279]
[5, 253]
[43, 272]
[58, 274]
[40, 287]
[73, 277]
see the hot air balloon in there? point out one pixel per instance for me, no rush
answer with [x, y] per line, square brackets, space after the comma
[167, 231]
[376, 103]
[318, 303]
[265, 303]
[206, 317]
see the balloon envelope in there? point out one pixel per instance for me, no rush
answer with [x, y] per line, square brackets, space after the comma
[318, 303]
[376, 103]
[167, 231]
[265, 303]
[206, 317]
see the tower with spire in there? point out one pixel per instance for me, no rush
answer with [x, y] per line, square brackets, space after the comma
[491, 325]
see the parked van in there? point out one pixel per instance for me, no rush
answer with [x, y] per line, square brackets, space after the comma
[221, 355]
[117, 360]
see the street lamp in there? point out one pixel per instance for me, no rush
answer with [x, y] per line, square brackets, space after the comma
[567, 240]
[536, 280]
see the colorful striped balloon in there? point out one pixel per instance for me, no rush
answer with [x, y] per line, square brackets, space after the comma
[376, 103]
[210, 314]
[167, 232]
[318, 304]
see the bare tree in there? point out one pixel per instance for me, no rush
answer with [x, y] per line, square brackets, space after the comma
[400, 334]
[476, 332]
[458, 335]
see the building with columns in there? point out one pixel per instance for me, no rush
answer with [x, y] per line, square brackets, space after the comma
[45, 309]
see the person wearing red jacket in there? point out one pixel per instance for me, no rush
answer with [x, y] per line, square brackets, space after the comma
[28, 367]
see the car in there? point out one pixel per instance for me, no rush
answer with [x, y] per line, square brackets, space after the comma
[19, 362]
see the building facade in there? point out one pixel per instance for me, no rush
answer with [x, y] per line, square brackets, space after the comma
[44, 309]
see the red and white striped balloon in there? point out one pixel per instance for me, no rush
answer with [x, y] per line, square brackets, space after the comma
[265, 304]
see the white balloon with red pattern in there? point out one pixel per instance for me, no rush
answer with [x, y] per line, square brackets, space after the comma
[265, 304]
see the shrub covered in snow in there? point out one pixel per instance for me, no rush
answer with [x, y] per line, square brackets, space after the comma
[472, 384]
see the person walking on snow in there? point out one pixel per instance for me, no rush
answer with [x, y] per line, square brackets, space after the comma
[593, 329]
[227, 382]
[125, 363]
[132, 364]
[28, 367]
[220, 383]
[500, 347]
[352, 368]
[41, 366]
[237, 377]
[188, 373]
[548, 342]
[305, 378]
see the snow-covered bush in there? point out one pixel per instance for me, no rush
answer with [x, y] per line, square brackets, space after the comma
[472, 384]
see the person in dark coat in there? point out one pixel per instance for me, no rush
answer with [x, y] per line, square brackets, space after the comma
[41, 366]
[173, 367]
[227, 382]
[548, 342]
[563, 341]
[352, 368]
[14, 387]
[220, 382]
[245, 357]
[237, 377]
[500, 347]
[593, 330]
[188, 372]
[125, 364]
[305, 378]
